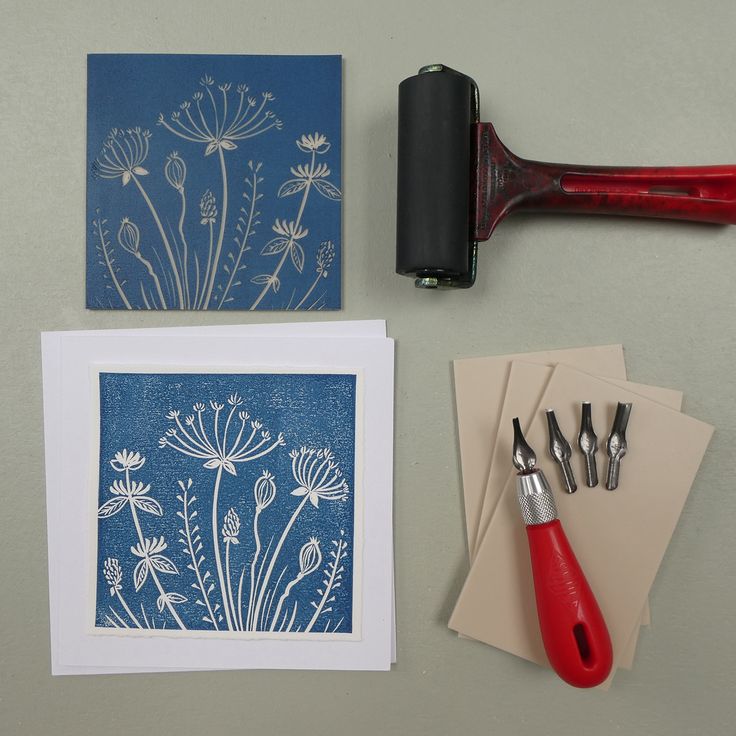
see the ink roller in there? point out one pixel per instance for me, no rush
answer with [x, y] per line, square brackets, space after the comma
[457, 181]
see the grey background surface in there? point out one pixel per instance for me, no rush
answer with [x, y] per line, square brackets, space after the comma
[589, 82]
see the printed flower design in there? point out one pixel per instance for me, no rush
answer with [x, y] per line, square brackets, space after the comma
[113, 574]
[231, 527]
[207, 117]
[149, 550]
[310, 557]
[289, 229]
[311, 174]
[125, 460]
[318, 475]
[264, 491]
[325, 257]
[207, 208]
[215, 449]
[129, 236]
[175, 171]
[313, 142]
[122, 155]
[129, 492]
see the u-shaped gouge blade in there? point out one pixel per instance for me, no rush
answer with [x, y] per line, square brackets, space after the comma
[561, 451]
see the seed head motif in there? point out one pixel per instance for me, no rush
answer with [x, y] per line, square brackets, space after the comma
[310, 557]
[175, 171]
[211, 121]
[123, 154]
[129, 236]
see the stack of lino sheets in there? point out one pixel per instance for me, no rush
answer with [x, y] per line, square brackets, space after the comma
[619, 537]
[220, 498]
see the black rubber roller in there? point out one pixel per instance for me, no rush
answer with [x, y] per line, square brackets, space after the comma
[433, 241]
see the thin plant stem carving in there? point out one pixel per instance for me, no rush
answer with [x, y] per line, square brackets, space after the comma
[305, 178]
[331, 581]
[218, 132]
[246, 228]
[105, 250]
[264, 492]
[114, 577]
[319, 478]
[310, 558]
[129, 239]
[192, 541]
[325, 256]
[122, 157]
[134, 495]
[219, 455]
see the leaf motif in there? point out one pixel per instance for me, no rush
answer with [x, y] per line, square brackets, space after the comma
[292, 186]
[164, 564]
[214, 463]
[297, 256]
[328, 189]
[227, 145]
[263, 278]
[176, 598]
[111, 507]
[140, 574]
[126, 178]
[161, 602]
[314, 500]
[149, 505]
[275, 246]
[229, 467]
[140, 171]
[211, 148]
[301, 491]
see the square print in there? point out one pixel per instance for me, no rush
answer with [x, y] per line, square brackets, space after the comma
[228, 504]
[213, 182]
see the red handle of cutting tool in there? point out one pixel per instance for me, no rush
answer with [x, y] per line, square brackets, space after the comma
[573, 630]
[505, 183]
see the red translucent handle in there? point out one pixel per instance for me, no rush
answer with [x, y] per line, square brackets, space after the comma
[505, 183]
[573, 630]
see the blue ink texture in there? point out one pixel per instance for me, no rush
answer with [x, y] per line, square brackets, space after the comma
[213, 182]
[226, 502]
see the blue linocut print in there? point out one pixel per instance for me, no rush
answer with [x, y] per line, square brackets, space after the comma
[227, 503]
[213, 182]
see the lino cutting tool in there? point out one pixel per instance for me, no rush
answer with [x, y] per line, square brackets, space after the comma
[588, 444]
[617, 445]
[573, 630]
[457, 181]
[560, 450]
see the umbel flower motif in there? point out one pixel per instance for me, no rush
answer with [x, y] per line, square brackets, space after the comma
[216, 449]
[125, 460]
[122, 155]
[318, 476]
[208, 117]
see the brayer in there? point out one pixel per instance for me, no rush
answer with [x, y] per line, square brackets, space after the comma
[457, 181]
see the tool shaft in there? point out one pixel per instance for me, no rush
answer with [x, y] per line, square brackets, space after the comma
[506, 182]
